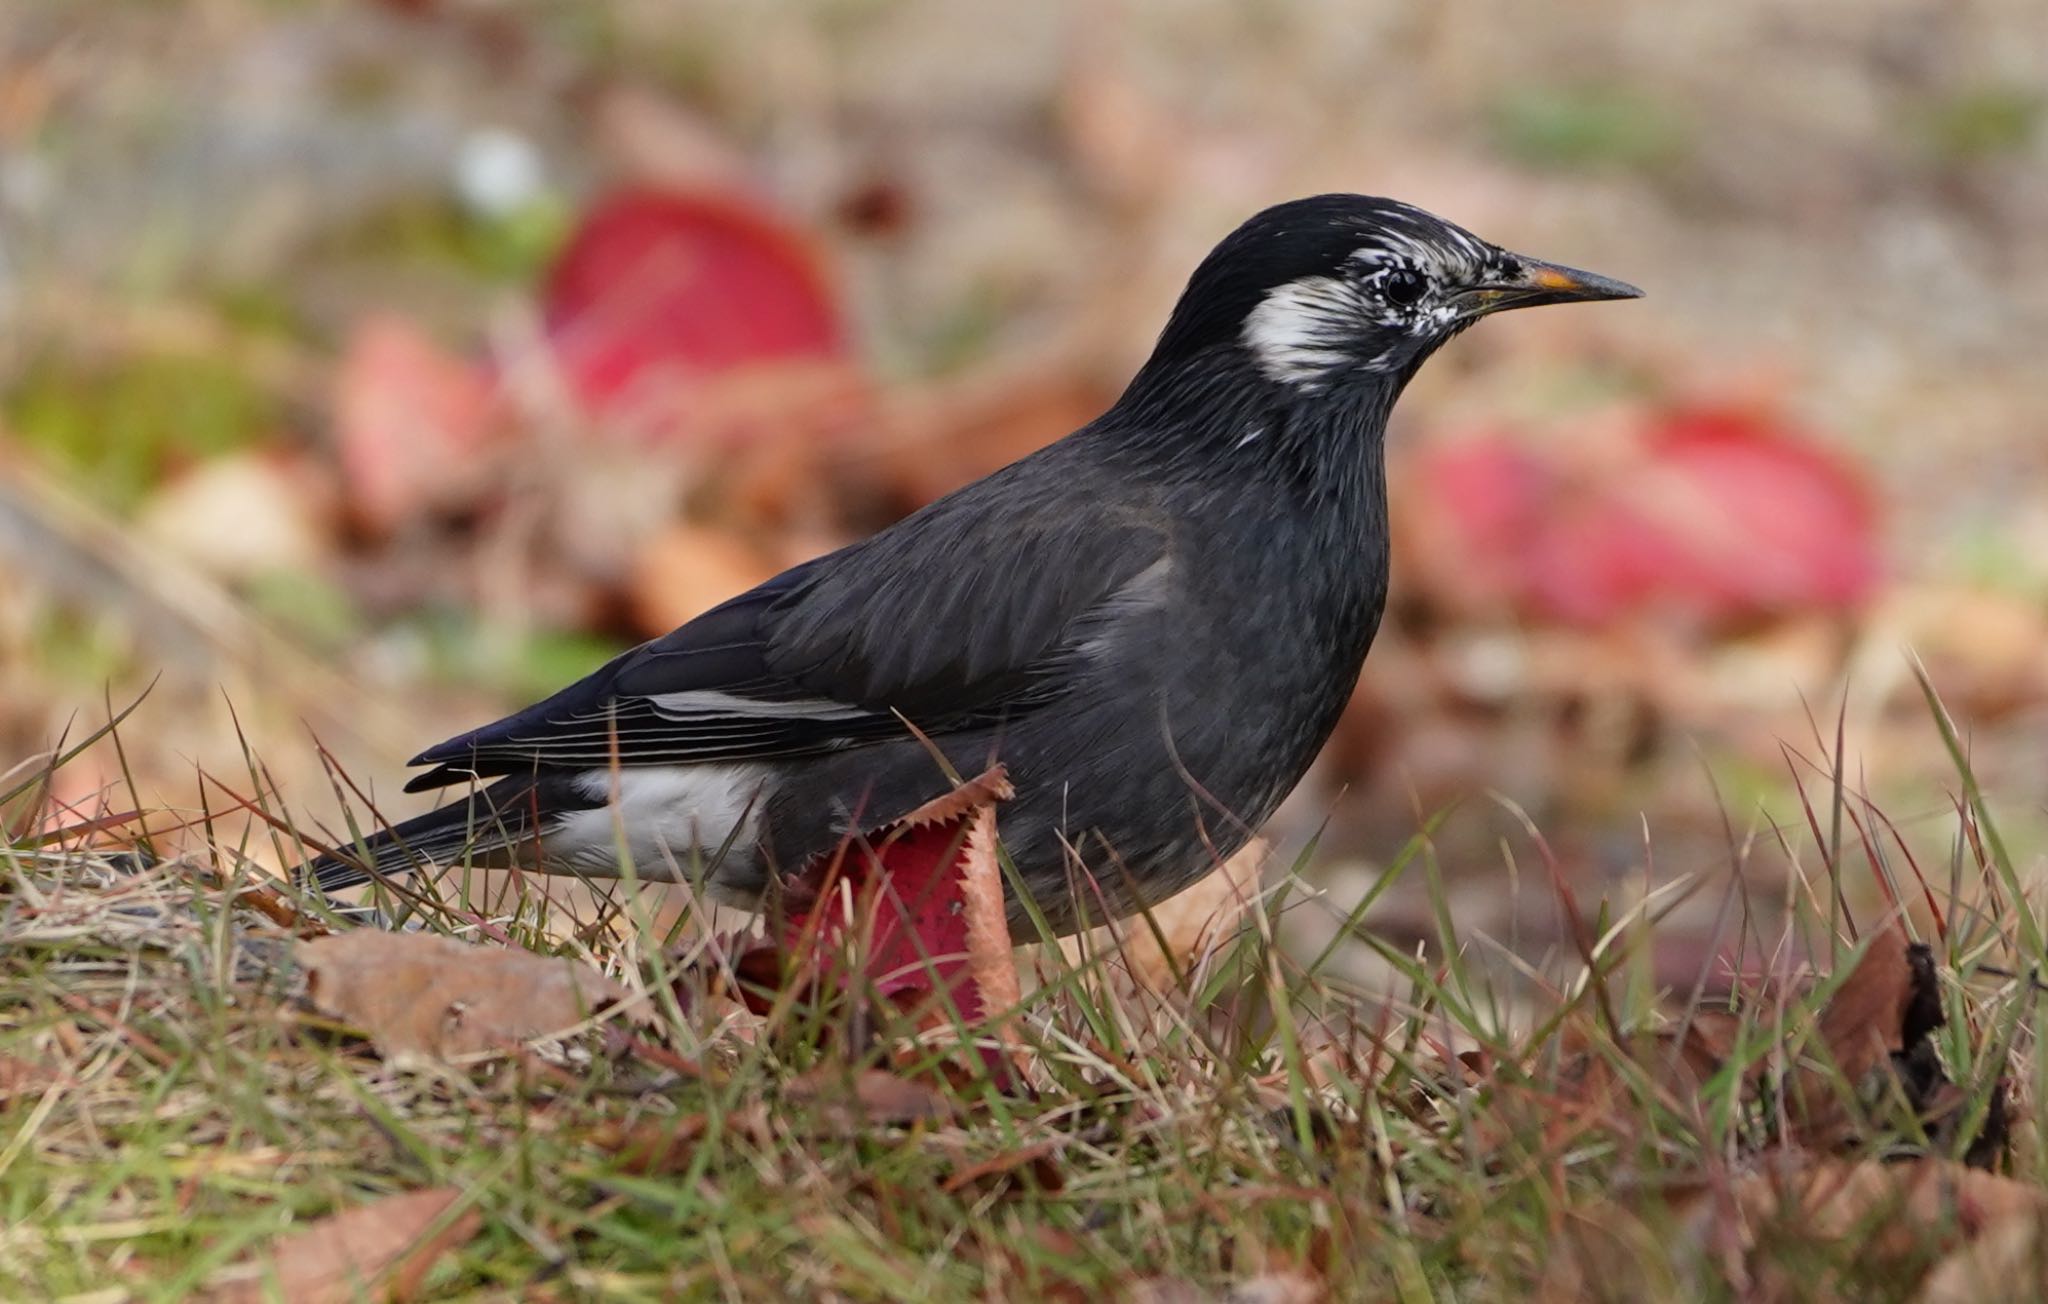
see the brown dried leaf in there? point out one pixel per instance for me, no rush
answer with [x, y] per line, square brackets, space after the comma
[1887, 1002]
[21, 1077]
[686, 570]
[668, 1146]
[1884, 1008]
[1036, 1159]
[1266, 1288]
[2005, 1262]
[991, 959]
[1865, 1019]
[847, 1105]
[421, 994]
[1893, 1211]
[373, 1251]
[1879, 1217]
[985, 789]
[1190, 923]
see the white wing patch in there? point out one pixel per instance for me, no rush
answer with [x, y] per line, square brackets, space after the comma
[674, 818]
[711, 702]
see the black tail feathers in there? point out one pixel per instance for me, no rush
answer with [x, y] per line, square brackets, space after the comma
[482, 829]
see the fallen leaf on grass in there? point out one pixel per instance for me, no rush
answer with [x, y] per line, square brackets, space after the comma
[991, 959]
[412, 423]
[655, 291]
[1884, 1009]
[1864, 1049]
[668, 1146]
[846, 1104]
[381, 1250]
[1720, 513]
[685, 571]
[1931, 1221]
[1183, 929]
[419, 994]
[1035, 1159]
[921, 899]
[1895, 1213]
[1266, 1288]
[20, 1077]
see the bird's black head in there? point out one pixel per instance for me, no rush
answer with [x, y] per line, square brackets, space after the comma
[1334, 291]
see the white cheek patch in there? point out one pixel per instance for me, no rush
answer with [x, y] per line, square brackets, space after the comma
[673, 817]
[1302, 330]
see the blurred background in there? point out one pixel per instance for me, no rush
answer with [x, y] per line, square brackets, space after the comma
[367, 369]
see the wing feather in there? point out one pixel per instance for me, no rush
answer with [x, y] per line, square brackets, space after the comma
[969, 610]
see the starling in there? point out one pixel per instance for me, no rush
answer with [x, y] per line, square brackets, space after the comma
[1152, 624]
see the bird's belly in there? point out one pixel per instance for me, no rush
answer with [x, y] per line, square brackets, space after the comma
[675, 823]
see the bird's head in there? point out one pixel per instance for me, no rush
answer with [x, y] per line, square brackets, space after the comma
[1337, 291]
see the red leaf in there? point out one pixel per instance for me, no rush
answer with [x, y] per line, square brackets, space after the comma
[914, 900]
[656, 289]
[409, 418]
[1718, 514]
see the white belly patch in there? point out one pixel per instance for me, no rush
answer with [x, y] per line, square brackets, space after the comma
[672, 820]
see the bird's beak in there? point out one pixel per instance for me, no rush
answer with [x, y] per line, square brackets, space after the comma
[1540, 283]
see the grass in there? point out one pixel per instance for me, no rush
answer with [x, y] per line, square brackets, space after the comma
[169, 1106]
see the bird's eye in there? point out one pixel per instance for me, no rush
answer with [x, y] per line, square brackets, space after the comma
[1403, 287]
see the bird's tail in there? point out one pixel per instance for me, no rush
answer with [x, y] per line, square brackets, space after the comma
[481, 828]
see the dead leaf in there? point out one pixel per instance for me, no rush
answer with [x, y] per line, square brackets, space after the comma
[421, 994]
[411, 421]
[846, 1104]
[991, 785]
[947, 434]
[657, 289]
[1864, 1215]
[1871, 1034]
[1727, 514]
[1036, 1159]
[243, 516]
[376, 1250]
[899, 892]
[991, 959]
[668, 1146]
[1266, 1288]
[1886, 1005]
[2005, 1262]
[1864, 1020]
[685, 571]
[20, 1077]
[1892, 1211]
[1190, 924]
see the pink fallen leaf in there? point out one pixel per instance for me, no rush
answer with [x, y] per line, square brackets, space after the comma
[410, 420]
[656, 291]
[920, 902]
[1717, 514]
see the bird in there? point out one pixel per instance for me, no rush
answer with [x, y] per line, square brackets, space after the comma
[1152, 624]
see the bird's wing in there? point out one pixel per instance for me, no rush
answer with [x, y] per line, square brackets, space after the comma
[972, 616]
